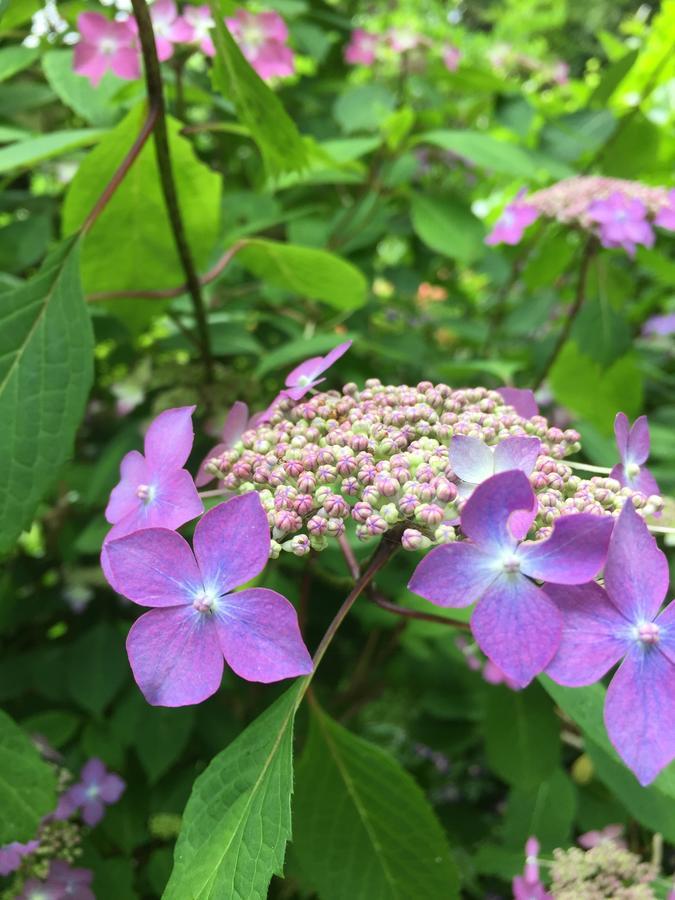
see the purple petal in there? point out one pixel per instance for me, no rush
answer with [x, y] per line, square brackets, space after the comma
[203, 475]
[307, 371]
[175, 656]
[666, 622]
[517, 453]
[644, 482]
[297, 393]
[153, 567]
[471, 459]
[112, 788]
[177, 501]
[485, 517]
[640, 713]
[636, 573]
[123, 497]
[638, 442]
[573, 554]
[590, 643]
[521, 399]
[621, 432]
[92, 811]
[232, 542]
[93, 772]
[335, 354]
[453, 575]
[260, 638]
[517, 627]
[169, 438]
[235, 423]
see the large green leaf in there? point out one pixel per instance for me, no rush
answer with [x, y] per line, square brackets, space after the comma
[238, 818]
[97, 667]
[24, 154]
[131, 246]
[547, 809]
[311, 273]
[46, 352]
[27, 784]
[363, 829]
[281, 145]
[448, 227]
[15, 58]
[95, 104]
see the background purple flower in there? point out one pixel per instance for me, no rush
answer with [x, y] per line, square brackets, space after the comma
[75, 883]
[451, 57]
[12, 854]
[362, 48]
[235, 425]
[622, 621]
[155, 490]
[176, 650]
[306, 376]
[194, 26]
[623, 222]
[34, 889]
[665, 217]
[106, 45]
[512, 223]
[262, 39]
[96, 789]
[514, 623]
[660, 325]
[633, 446]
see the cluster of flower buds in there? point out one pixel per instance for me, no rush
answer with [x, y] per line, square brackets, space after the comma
[383, 457]
[621, 213]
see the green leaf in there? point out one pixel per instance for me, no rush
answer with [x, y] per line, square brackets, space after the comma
[448, 227]
[363, 829]
[315, 274]
[95, 104]
[16, 58]
[619, 386]
[363, 107]
[46, 369]
[131, 245]
[27, 784]
[547, 810]
[97, 667]
[238, 818]
[281, 145]
[56, 725]
[612, 78]
[24, 154]
[522, 736]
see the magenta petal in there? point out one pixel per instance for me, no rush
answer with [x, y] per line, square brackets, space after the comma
[453, 575]
[636, 573]
[112, 788]
[169, 438]
[517, 627]
[640, 713]
[521, 399]
[307, 371]
[335, 354]
[591, 642]
[471, 459]
[232, 542]
[645, 483]
[485, 517]
[517, 453]
[177, 501]
[235, 423]
[153, 567]
[124, 497]
[638, 442]
[87, 61]
[203, 475]
[175, 656]
[126, 63]
[573, 554]
[93, 25]
[259, 636]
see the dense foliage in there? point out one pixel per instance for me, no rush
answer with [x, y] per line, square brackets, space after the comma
[327, 335]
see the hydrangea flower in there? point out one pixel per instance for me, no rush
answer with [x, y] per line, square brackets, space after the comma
[306, 376]
[12, 854]
[623, 222]
[659, 325]
[235, 425]
[451, 57]
[665, 217]
[512, 223]
[622, 621]
[176, 650]
[473, 461]
[154, 489]
[521, 399]
[262, 39]
[105, 44]
[514, 623]
[75, 883]
[528, 886]
[633, 446]
[194, 26]
[34, 889]
[362, 48]
[96, 789]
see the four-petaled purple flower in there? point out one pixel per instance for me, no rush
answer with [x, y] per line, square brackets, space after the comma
[34, 889]
[633, 445]
[515, 623]
[306, 376]
[104, 45]
[473, 461]
[75, 884]
[623, 222]
[176, 650]
[155, 490]
[602, 626]
[521, 399]
[510, 226]
[236, 423]
[96, 789]
[12, 854]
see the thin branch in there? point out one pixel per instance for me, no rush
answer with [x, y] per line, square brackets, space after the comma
[153, 80]
[584, 467]
[351, 560]
[408, 613]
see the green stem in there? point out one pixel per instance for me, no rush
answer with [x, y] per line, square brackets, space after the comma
[583, 467]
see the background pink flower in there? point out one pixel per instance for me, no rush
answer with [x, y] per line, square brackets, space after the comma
[106, 45]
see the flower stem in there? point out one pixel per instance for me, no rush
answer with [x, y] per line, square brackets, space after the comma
[661, 529]
[583, 467]
[408, 613]
[153, 81]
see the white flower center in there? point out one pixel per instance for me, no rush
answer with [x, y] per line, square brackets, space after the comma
[511, 564]
[648, 632]
[632, 470]
[93, 791]
[252, 36]
[107, 46]
[206, 601]
[146, 493]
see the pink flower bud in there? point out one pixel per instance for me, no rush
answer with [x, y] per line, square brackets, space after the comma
[317, 525]
[414, 540]
[361, 511]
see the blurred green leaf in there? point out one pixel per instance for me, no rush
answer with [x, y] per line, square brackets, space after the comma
[612, 77]
[24, 154]
[547, 810]
[95, 104]
[363, 107]
[97, 667]
[56, 725]
[448, 227]
[16, 58]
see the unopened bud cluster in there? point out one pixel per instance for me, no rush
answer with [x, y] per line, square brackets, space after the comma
[379, 458]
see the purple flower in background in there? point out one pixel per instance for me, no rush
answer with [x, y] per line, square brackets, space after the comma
[12, 854]
[74, 883]
[362, 48]
[262, 39]
[622, 621]
[561, 73]
[510, 226]
[633, 445]
[176, 650]
[195, 26]
[305, 376]
[659, 325]
[528, 886]
[96, 789]
[235, 425]
[155, 490]
[665, 217]
[34, 889]
[401, 40]
[514, 623]
[623, 222]
[105, 45]
[474, 462]
[521, 399]
[168, 28]
[451, 57]
[608, 834]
